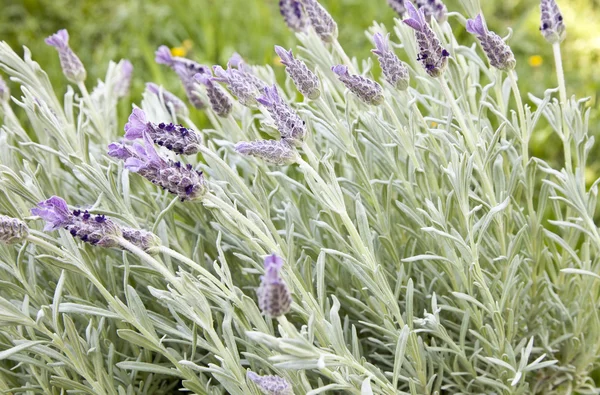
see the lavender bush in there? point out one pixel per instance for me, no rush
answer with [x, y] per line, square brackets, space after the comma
[411, 243]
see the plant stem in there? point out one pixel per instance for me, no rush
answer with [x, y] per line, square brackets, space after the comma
[560, 75]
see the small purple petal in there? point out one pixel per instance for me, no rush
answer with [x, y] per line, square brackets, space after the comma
[286, 56]
[59, 39]
[163, 55]
[340, 70]
[137, 124]
[54, 211]
[119, 151]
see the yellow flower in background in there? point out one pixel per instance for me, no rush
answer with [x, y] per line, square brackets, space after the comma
[536, 61]
[277, 61]
[178, 51]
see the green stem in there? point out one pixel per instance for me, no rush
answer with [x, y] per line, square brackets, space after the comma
[560, 74]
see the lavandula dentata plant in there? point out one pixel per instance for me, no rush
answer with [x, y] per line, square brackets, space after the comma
[293, 14]
[12, 230]
[176, 138]
[291, 127]
[398, 6]
[238, 84]
[394, 70]
[278, 152]
[71, 65]
[305, 80]
[171, 101]
[433, 8]
[366, 89]
[553, 29]
[274, 298]
[498, 53]
[219, 101]
[321, 20]
[271, 385]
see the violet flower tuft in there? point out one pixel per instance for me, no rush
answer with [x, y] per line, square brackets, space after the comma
[172, 102]
[278, 152]
[398, 6]
[293, 14]
[239, 85]
[69, 62]
[12, 230]
[432, 55]
[394, 70]
[366, 89]
[552, 23]
[219, 101]
[496, 50]
[288, 122]
[321, 20]
[271, 385]
[175, 138]
[274, 298]
[305, 80]
[435, 8]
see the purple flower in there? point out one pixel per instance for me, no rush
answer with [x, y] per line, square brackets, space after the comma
[172, 102]
[237, 62]
[305, 80]
[12, 230]
[96, 230]
[181, 180]
[432, 55]
[122, 84]
[321, 21]
[175, 138]
[69, 62]
[219, 101]
[367, 90]
[394, 70]
[238, 83]
[271, 385]
[434, 8]
[274, 298]
[288, 122]
[552, 24]
[293, 14]
[278, 152]
[4, 91]
[147, 241]
[398, 6]
[186, 69]
[498, 53]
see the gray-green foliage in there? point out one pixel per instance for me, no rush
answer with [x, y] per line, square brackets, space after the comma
[427, 252]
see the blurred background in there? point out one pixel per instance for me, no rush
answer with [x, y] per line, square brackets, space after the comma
[209, 31]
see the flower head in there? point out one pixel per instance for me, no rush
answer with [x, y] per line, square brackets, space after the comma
[147, 241]
[236, 61]
[175, 138]
[271, 385]
[366, 89]
[552, 24]
[435, 8]
[12, 230]
[305, 80]
[293, 14]
[172, 102]
[499, 54]
[96, 230]
[321, 20]
[398, 6]
[290, 125]
[181, 180]
[4, 91]
[394, 70]
[274, 298]
[432, 55]
[278, 152]
[219, 101]
[186, 69]
[124, 81]
[238, 83]
[69, 62]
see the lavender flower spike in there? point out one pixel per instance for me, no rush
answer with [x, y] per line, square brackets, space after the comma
[432, 55]
[147, 241]
[305, 80]
[96, 230]
[293, 14]
[239, 85]
[12, 230]
[290, 125]
[178, 179]
[123, 83]
[186, 69]
[69, 62]
[278, 152]
[236, 61]
[434, 8]
[321, 21]
[394, 70]
[552, 24]
[172, 102]
[367, 90]
[271, 385]
[398, 6]
[173, 137]
[219, 101]
[4, 92]
[498, 53]
[274, 297]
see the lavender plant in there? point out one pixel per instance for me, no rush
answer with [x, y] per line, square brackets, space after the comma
[414, 246]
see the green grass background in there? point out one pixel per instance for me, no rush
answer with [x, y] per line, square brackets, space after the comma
[102, 30]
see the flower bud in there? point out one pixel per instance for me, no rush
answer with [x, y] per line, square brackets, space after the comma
[12, 230]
